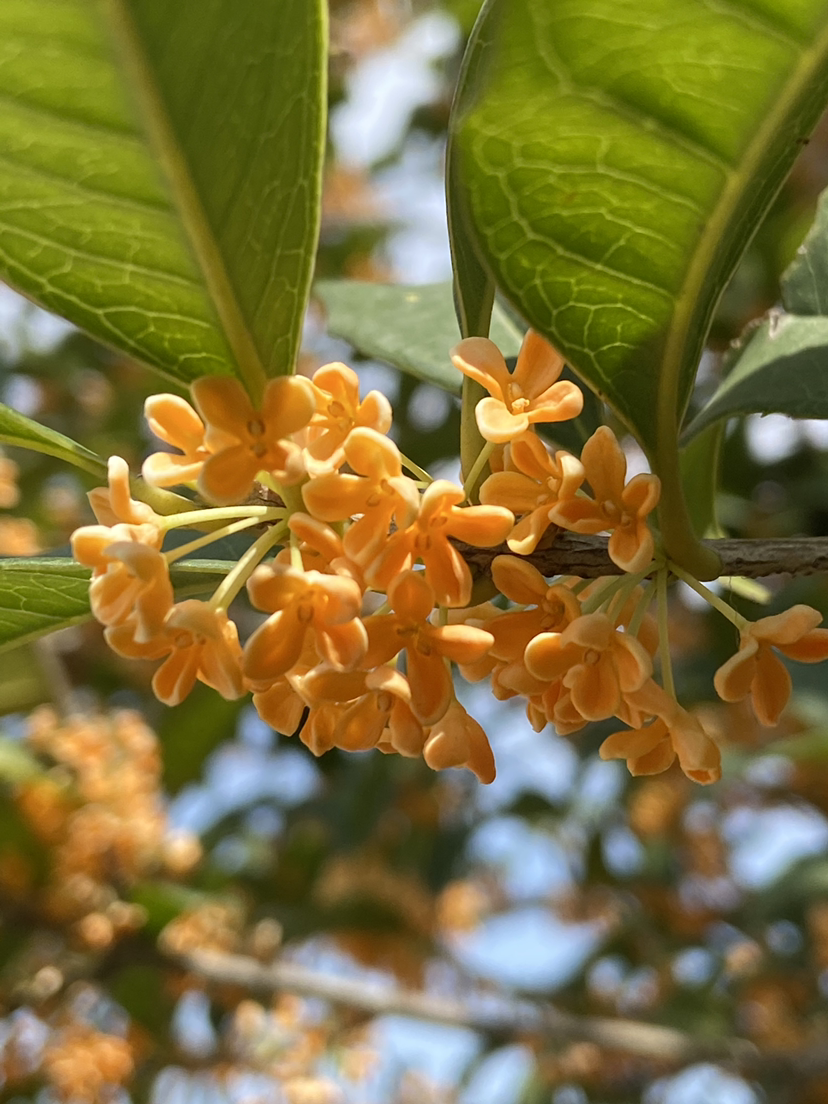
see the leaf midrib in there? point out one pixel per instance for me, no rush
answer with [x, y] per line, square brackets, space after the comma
[188, 205]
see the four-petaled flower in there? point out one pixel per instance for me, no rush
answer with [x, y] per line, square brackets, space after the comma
[530, 485]
[303, 602]
[338, 411]
[260, 438]
[597, 664]
[427, 539]
[427, 647]
[533, 393]
[618, 508]
[757, 672]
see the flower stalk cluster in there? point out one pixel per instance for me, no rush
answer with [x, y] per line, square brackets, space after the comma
[366, 597]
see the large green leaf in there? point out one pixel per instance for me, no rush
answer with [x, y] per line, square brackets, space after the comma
[782, 370]
[39, 596]
[17, 429]
[159, 173]
[412, 328]
[615, 157]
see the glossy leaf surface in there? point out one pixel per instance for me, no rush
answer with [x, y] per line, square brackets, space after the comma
[615, 157]
[159, 173]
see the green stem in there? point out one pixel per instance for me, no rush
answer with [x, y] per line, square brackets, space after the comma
[641, 608]
[232, 584]
[416, 469]
[664, 635]
[472, 479]
[185, 549]
[712, 599]
[604, 592]
[222, 513]
[471, 439]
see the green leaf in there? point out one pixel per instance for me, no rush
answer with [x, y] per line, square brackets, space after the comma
[16, 429]
[412, 328]
[39, 596]
[615, 157]
[805, 281]
[160, 171]
[782, 370]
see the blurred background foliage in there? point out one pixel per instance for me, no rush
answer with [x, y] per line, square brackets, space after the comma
[130, 833]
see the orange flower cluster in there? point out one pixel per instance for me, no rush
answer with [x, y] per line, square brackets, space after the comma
[103, 819]
[341, 524]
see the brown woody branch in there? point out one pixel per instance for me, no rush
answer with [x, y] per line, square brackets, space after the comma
[504, 1017]
[587, 557]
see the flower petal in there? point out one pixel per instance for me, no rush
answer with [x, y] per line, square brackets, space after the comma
[497, 423]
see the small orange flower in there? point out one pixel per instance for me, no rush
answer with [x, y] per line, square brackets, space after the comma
[531, 485]
[427, 538]
[621, 509]
[262, 437]
[322, 549]
[427, 647]
[338, 411]
[280, 705]
[596, 663]
[301, 602]
[114, 503]
[555, 607]
[457, 740]
[532, 394]
[379, 492]
[652, 748]
[131, 579]
[757, 672]
[373, 702]
[174, 421]
[205, 646]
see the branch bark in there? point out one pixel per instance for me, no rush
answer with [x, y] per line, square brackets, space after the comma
[587, 557]
[505, 1017]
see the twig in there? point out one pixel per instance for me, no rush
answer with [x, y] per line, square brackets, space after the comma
[490, 1015]
[587, 557]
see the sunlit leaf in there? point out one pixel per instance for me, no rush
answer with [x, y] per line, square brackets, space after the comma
[39, 596]
[412, 328]
[615, 157]
[17, 429]
[782, 370]
[159, 173]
